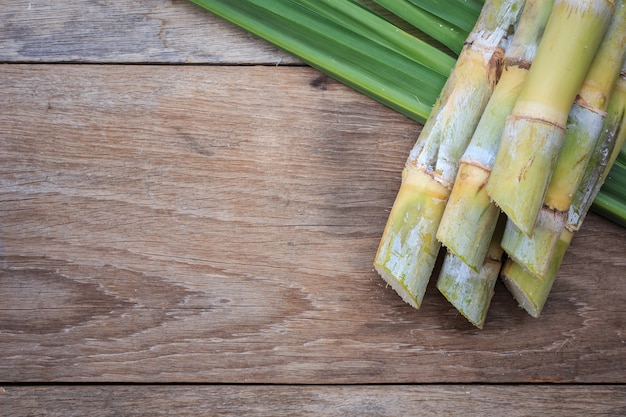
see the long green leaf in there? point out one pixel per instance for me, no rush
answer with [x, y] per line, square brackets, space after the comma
[330, 46]
[439, 29]
[461, 13]
[355, 17]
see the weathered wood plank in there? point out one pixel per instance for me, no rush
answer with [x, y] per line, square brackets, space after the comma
[199, 224]
[155, 31]
[379, 401]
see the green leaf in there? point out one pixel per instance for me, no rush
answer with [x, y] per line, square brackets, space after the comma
[379, 66]
[461, 13]
[437, 28]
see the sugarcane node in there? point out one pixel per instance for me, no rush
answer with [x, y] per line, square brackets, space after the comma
[477, 164]
[465, 175]
[599, 103]
[519, 63]
[548, 122]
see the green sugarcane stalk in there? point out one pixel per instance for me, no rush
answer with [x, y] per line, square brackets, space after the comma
[470, 216]
[468, 290]
[608, 150]
[526, 250]
[530, 292]
[409, 248]
[535, 130]
[584, 126]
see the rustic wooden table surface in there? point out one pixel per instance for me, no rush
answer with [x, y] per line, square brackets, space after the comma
[188, 219]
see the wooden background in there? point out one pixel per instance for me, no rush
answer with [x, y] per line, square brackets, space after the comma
[188, 219]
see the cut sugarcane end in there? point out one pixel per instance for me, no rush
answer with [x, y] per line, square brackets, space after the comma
[522, 169]
[470, 292]
[512, 276]
[470, 217]
[530, 292]
[409, 248]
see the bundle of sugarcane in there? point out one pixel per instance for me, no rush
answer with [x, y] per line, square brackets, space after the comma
[513, 126]
[539, 103]
[470, 218]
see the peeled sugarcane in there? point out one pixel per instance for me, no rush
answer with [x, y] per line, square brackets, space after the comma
[531, 292]
[584, 126]
[470, 216]
[535, 130]
[409, 248]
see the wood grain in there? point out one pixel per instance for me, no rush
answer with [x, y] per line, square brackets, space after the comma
[136, 31]
[200, 224]
[279, 401]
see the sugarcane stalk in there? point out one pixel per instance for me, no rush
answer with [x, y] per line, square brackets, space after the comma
[530, 291]
[470, 217]
[468, 290]
[527, 250]
[535, 130]
[409, 248]
[584, 126]
[535, 252]
[607, 150]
